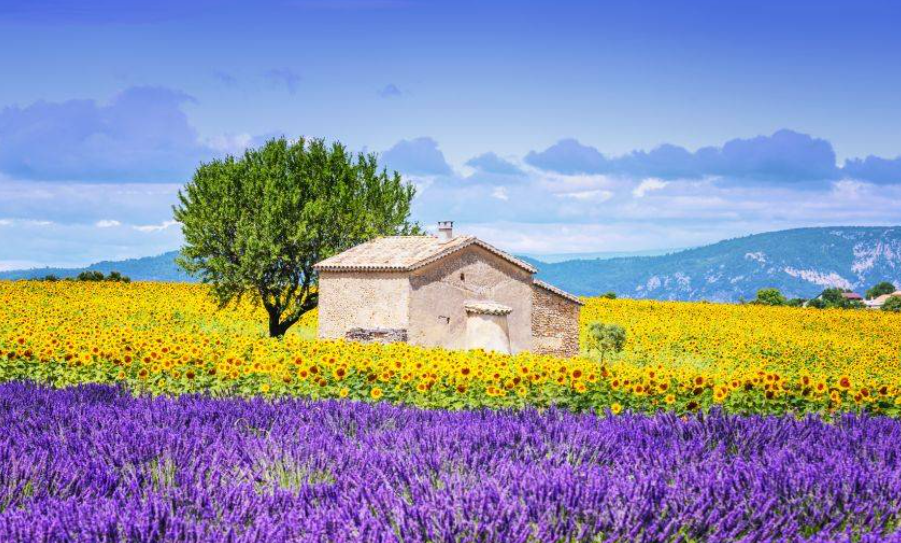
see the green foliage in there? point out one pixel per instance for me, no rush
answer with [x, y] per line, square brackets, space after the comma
[884, 287]
[832, 298]
[255, 225]
[117, 277]
[606, 338]
[610, 295]
[770, 296]
[94, 276]
[892, 304]
[90, 275]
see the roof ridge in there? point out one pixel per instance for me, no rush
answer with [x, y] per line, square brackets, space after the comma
[424, 250]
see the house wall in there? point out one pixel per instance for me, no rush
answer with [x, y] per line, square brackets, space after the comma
[362, 300]
[488, 332]
[439, 290]
[555, 324]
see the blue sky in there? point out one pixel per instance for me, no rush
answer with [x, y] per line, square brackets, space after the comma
[541, 126]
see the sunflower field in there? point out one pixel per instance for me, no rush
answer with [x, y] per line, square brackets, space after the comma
[171, 339]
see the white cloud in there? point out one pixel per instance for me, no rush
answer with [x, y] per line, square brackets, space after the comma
[588, 195]
[107, 223]
[648, 185]
[232, 144]
[155, 227]
[29, 244]
[500, 193]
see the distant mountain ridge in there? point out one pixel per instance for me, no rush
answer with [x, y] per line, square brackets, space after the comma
[149, 268]
[800, 262]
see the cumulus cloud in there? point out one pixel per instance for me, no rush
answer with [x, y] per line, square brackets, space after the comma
[784, 157]
[568, 156]
[390, 91]
[142, 134]
[419, 156]
[874, 169]
[493, 164]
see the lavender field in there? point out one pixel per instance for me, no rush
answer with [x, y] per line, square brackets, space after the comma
[95, 464]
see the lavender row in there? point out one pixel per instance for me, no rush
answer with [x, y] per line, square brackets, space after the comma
[95, 464]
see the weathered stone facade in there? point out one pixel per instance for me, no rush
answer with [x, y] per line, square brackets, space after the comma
[440, 290]
[362, 300]
[377, 335]
[555, 323]
[451, 292]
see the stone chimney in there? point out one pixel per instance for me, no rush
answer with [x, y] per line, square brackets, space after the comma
[445, 230]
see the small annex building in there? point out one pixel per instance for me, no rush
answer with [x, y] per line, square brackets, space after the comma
[450, 291]
[879, 301]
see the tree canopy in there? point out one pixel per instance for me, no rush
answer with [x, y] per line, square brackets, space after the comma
[255, 225]
[884, 287]
[834, 298]
[770, 296]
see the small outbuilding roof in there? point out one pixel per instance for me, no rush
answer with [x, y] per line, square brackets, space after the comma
[486, 307]
[562, 293]
[407, 253]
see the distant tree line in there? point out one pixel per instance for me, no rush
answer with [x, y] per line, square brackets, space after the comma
[831, 298]
[89, 276]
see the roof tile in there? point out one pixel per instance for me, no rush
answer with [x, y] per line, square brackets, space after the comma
[406, 253]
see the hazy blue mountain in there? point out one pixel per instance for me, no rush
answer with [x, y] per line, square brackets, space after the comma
[799, 262]
[602, 255]
[150, 268]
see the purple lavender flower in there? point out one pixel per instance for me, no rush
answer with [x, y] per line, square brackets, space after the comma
[95, 464]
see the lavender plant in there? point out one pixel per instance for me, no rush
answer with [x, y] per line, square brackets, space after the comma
[93, 463]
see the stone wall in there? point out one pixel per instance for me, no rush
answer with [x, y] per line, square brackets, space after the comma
[377, 335]
[555, 324]
[362, 300]
[440, 290]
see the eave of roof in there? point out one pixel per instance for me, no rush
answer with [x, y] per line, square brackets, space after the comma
[559, 292]
[453, 246]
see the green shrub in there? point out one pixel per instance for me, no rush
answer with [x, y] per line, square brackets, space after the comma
[893, 304]
[606, 338]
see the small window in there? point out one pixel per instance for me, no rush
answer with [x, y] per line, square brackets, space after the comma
[462, 277]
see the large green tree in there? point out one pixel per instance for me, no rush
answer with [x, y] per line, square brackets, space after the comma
[255, 225]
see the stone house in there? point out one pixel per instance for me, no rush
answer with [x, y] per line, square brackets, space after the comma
[450, 291]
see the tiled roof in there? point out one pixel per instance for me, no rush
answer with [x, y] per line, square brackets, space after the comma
[557, 291]
[485, 307]
[406, 253]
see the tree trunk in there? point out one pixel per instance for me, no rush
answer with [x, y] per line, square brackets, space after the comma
[276, 327]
